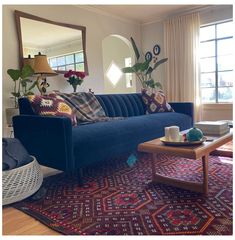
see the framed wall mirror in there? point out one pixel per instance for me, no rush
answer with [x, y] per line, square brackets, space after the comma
[64, 44]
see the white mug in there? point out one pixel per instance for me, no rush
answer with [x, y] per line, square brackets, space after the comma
[167, 133]
[174, 134]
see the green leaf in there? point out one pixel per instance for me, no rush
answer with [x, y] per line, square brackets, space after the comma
[27, 80]
[33, 85]
[158, 85]
[14, 74]
[159, 63]
[16, 94]
[137, 54]
[23, 83]
[28, 93]
[150, 83]
[150, 69]
[137, 67]
[128, 70]
[144, 66]
[27, 71]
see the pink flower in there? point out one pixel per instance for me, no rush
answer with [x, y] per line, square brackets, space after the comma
[68, 74]
[80, 74]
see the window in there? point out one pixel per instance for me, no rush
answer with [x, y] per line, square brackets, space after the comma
[114, 73]
[73, 61]
[216, 62]
[128, 75]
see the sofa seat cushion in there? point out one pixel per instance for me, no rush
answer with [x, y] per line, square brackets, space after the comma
[106, 139]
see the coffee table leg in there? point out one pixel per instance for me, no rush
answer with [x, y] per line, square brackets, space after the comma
[153, 165]
[205, 173]
[193, 186]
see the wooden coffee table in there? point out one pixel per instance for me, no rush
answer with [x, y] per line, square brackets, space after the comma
[197, 152]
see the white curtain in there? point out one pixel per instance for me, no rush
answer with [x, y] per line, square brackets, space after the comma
[181, 45]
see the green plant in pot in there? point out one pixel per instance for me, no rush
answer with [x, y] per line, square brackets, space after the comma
[22, 87]
[144, 69]
[21, 81]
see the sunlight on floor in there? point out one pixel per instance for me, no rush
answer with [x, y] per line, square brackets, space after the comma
[227, 161]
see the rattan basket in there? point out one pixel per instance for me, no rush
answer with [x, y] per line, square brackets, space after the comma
[22, 182]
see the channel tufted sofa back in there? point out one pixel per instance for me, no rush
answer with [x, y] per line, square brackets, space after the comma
[114, 105]
[122, 105]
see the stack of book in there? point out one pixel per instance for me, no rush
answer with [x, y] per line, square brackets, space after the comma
[213, 127]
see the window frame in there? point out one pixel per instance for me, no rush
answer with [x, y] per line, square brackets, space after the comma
[64, 65]
[217, 71]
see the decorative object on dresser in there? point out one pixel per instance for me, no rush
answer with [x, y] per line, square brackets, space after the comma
[213, 127]
[75, 78]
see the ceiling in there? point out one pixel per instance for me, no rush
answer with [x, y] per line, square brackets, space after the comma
[43, 35]
[143, 14]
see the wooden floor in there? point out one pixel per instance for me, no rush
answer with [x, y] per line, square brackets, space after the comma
[15, 222]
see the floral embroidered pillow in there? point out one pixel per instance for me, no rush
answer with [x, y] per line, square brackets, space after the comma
[52, 106]
[155, 101]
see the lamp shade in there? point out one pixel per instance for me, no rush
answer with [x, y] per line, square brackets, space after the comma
[29, 61]
[41, 66]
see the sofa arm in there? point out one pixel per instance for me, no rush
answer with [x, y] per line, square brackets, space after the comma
[184, 107]
[49, 139]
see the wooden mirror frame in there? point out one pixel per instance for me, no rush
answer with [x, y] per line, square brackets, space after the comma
[19, 14]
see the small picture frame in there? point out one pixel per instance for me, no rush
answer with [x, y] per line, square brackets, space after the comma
[156, 49]
[148, 56]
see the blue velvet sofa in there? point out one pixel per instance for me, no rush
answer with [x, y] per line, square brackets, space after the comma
[55, 143]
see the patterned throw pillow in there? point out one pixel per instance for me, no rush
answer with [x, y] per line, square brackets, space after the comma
[155, 101]
[52, 106]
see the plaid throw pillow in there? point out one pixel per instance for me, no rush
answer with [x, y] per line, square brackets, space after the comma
[155, 101]
[52, 106]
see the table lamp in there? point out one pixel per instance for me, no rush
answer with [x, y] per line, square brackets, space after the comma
[43, 70]
[29, 61]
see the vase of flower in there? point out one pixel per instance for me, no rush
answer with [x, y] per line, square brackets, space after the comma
[74, 88]
[74, 78]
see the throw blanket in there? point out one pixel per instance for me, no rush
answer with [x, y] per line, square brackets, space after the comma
[86, 107]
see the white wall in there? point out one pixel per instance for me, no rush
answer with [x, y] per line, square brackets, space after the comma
[97, 26]
[216, 13]
[65, 48]
[116, 50]
[153, 33]
[55, 50]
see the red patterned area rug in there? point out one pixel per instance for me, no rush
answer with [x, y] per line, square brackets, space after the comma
[120, 200]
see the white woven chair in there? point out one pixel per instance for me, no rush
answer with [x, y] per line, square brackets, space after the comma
[22, 182]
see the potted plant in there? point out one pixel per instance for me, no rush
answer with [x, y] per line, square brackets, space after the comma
[75, 78]
[143, 69]
[21, 88]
